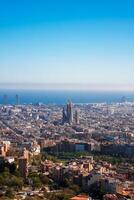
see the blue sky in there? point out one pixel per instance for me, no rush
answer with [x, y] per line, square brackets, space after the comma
[75, 42]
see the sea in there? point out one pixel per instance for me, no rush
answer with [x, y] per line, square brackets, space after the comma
[61, 97]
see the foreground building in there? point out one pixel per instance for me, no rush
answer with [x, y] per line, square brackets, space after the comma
[81, 197]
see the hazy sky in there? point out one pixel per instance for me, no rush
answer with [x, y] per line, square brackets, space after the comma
[67, 41]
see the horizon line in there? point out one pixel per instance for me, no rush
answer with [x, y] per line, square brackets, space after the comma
[68, 86]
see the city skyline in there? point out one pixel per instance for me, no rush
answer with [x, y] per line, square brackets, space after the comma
[87, 45]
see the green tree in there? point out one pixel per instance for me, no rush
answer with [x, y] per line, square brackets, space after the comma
[45, 180]
[15, 182]
[9, 193]
[75, 188]
[36, 182]
[12, 168]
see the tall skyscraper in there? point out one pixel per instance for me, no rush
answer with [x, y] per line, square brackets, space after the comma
[64, 115]
[68, 113]
[76, 117]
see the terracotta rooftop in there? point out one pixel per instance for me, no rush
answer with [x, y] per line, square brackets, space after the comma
[80, 197]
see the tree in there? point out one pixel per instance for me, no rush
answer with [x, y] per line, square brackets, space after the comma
[9, 193]
[75, 188]
[36, 182]
[2, 181]
[2, 167]
[15, 182]
[66, 183]
[12, 168]
[45, 180]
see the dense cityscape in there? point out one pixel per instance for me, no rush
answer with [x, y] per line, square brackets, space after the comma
[67, 152]
[66, 99]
